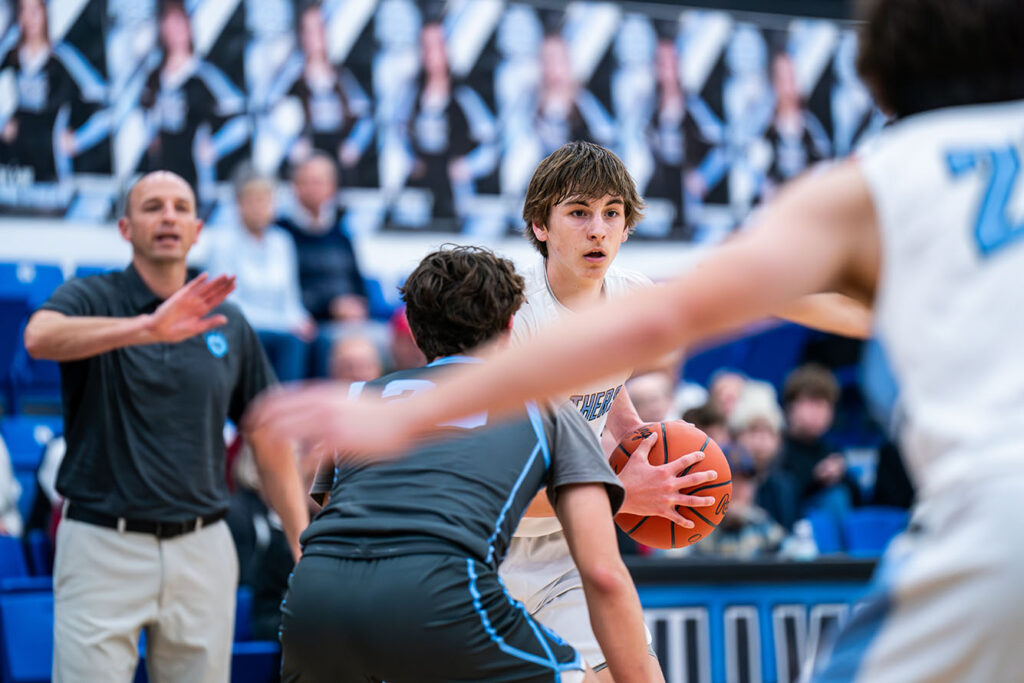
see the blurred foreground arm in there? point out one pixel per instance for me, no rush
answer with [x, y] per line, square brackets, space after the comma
[831, 312]
[615, 613]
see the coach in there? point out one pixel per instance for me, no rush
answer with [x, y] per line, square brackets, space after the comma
[148, 380]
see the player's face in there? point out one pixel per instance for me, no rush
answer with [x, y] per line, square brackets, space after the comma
[583, 236]
[161, 220]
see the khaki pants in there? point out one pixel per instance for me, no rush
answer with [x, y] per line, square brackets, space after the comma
[108, 586]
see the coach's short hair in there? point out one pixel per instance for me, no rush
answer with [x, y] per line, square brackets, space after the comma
[578, 170]
[919, 55]
[460, 297]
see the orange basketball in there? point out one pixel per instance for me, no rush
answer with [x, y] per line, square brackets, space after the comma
[676, 439]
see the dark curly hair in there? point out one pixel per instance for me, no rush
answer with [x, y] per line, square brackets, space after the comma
[919, 55]
[460, 297]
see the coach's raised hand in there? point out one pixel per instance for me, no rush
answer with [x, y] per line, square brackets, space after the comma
[186, 313]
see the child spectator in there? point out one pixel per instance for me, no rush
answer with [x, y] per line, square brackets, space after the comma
[756, 425]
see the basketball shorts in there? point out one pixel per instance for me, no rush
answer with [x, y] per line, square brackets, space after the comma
[436, 617]
[540, 573]
[946, 602]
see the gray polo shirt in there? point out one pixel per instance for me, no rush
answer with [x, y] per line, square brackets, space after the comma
[144, 424]
[464, 493]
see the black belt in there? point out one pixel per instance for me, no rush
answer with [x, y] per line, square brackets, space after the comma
[144, 526]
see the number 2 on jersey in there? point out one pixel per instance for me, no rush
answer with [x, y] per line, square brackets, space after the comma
[1000, 169]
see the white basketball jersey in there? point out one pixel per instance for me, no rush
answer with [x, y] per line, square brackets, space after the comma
[540, 310]
[949, 194]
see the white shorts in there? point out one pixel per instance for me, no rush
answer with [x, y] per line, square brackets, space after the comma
[539, 572]
[946, 603]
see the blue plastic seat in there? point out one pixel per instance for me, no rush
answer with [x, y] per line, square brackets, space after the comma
[26, 635]
[34, 282]
[868, 530]
[827, 535]
[26, 437]
[12, 557]
[256, 661]
[39, 553]
[26, 584]
[243, 614]
[13, 313]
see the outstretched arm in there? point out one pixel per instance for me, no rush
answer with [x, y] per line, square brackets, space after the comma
[614, 606]
[54, 336]
[819, 235]
[831, 312]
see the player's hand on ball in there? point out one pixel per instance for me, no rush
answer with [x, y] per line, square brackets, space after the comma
[321, 413]
[654, 489]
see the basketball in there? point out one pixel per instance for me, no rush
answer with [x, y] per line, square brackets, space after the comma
[676, 439]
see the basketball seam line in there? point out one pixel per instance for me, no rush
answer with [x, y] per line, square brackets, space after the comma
[708, 486]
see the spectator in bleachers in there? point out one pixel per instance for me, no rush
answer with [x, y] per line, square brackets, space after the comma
[756, 426]
[261, 257]
[652, 395]
[747, 530]
[332, 283]
[10, 493]
[724, 390]
[355, 358]
[709, 420]
[818, 471]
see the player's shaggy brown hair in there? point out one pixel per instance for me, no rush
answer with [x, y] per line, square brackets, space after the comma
[578, 170]
[460, 297]
[918, 55]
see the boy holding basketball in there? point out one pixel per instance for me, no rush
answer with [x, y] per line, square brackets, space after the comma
[398, 579]
[926, 224]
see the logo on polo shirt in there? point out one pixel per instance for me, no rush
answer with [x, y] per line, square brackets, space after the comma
[217, 344]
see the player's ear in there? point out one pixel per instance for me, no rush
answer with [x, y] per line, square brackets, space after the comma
[540, 232]
[511, 319]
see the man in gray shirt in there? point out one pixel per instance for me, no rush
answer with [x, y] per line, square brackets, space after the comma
[399, 580]
[152, 365]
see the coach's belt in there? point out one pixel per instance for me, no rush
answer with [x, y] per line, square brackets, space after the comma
[143, 526]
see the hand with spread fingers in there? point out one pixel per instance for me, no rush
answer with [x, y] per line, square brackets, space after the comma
[184, 314]
[654, 489]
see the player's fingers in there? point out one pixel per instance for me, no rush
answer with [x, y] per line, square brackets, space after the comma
[696, 478]
[679, 519]
[689, 501]
[680, 464]
[647, 444]
[207, 324]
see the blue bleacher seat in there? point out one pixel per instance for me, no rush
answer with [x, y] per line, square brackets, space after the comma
[13, 313]
[33, 281]
[39, 553]
[379, 306]
[26, 636]
[26, 584]
[243, 614]
[826, 531]
[868, 530]
[257, 661]
[26, 437]
[89, 270]
[35, 384]
[12, 557]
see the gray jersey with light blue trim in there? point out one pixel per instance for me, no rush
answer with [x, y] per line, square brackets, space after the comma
[465, 491]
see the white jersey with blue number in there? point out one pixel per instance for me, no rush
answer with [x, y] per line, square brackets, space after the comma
[948, 188]
[540, 310]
